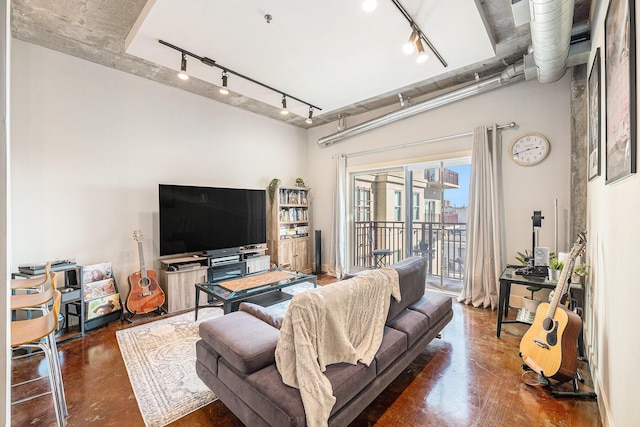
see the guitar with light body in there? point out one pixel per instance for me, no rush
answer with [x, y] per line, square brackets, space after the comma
[144, 295]
[549, 347]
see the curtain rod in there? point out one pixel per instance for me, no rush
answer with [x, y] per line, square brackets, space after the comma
[426, 141]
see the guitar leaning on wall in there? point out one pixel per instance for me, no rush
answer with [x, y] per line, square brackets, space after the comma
[549, 347]
[145, 295]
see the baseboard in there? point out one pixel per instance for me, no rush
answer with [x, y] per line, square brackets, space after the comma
[603, 403]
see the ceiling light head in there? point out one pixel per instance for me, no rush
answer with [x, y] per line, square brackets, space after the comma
[183, 68]
[422, 55]
[284, 110]
[409, 46]
[369, 5]
[309, 120]
[223, 89]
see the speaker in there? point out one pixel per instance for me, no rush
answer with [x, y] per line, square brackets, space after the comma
[541, 256]
[318, 253]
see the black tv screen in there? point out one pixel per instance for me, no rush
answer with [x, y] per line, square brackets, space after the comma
[204, 219]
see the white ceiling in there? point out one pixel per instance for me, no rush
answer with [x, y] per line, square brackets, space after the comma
[328, 53]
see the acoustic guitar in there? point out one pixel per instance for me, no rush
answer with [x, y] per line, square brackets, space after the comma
[145, 295]
[549, 347]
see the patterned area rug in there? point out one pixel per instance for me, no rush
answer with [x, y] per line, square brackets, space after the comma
[160, 357]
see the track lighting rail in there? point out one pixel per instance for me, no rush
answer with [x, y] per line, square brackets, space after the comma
[212, 63]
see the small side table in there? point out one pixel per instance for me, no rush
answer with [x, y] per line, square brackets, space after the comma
[379, 256]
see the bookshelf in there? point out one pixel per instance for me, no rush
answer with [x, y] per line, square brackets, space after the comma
[289, 228]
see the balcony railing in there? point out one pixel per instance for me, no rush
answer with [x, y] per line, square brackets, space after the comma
[443, 245]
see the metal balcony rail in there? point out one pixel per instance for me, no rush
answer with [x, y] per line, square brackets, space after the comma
[443, 245]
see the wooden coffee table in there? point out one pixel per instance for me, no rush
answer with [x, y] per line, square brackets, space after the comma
[263, 288]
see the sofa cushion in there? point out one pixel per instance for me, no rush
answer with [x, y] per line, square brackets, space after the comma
[279, 404]
[412, 323]
[207, 356]
[394, 343]
[411, 273]
[272, 318]
[433, 305]
[245, 341]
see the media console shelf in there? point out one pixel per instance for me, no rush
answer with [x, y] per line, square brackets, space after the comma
[178, 276]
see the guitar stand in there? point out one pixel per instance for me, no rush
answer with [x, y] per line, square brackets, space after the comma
[159, 311]
[546, 382]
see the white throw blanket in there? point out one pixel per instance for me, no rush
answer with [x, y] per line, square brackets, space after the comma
[340, 322]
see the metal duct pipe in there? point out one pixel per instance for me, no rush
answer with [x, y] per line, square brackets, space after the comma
[509, 75]
[551, 23]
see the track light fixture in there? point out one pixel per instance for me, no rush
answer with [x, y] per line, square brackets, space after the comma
[284, 110]
[369, 5]
[225, 75]
[224, 90]
[183, 68]
[310, 119]
[417, 38]
[409, 46]
[422, 55]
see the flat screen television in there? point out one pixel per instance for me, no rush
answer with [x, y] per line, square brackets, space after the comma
[210, 220]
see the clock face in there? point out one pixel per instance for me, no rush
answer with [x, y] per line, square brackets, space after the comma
[530, 149]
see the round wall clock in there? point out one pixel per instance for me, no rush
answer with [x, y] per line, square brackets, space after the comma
[530, 149]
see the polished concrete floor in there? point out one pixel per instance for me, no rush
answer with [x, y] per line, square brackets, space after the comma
[467, 378]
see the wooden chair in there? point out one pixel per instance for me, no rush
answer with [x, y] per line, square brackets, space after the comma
[34, 283]
[37, 300]
[39, 332]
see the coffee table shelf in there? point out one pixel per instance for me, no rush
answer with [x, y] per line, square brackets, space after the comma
[264, 288]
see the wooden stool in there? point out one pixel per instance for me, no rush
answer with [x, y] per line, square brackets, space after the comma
[40, 333]
[35, 284]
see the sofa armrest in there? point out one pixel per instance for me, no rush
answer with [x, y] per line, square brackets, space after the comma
[243, 340]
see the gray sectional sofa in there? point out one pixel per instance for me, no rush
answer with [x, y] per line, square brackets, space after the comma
[236, 357]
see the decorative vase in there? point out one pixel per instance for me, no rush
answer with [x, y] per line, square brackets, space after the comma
[554, 274]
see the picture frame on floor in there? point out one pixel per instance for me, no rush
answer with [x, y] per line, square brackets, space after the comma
[620, 77]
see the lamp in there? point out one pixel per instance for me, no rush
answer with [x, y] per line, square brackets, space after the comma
[369, 5]
[309, 120]
[409, 46]
[183, 68]
[417, 37]
[223, 89]
[422, 55]
[225, 76]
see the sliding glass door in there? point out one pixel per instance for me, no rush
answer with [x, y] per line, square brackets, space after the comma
[416, 210]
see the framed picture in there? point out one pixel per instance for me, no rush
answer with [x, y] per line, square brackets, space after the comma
[102, 306]
[620, 75]
[96, 272]
[594, 117]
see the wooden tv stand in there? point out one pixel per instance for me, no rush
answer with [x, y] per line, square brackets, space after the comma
[178, 276]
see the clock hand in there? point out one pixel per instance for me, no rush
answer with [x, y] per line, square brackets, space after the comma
[527, 149]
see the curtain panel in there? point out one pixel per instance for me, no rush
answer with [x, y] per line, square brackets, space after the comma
[483, 264]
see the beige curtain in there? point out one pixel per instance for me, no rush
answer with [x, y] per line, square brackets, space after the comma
[483, 263]
[338, 247]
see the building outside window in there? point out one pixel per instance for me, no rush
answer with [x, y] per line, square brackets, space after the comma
[415, 206]
[363, 204]
[397, 209]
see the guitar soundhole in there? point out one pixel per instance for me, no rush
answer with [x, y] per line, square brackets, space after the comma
[144, 282]
[547, 324]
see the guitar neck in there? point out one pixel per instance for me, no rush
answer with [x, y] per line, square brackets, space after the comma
[143, 269]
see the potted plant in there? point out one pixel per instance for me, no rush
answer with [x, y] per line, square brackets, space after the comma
[299, 182]
[579, 271]
[555, 267]
[273, 185]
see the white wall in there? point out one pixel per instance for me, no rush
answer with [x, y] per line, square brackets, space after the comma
[91, 144]
[5, 223]
[614, 289]
[533, 106]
